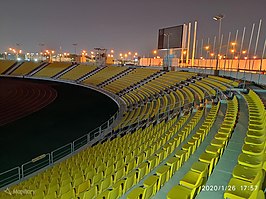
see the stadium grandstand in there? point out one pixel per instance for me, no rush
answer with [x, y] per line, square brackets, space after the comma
[176, 135]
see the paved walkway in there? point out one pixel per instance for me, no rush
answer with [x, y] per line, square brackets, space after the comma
[193, 158]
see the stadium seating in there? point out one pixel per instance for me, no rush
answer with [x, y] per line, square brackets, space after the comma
[78, 72]
[103, 75]
[25, 68]
[133, 77]
[249, 174]
[168, 117]
[52, 69]
[5, 64]
[190, 185]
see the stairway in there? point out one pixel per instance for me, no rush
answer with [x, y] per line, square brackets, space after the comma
[117, 76]
[12, 68]
[65, 71]
[36, 70]
[142, 82]
[90, 74]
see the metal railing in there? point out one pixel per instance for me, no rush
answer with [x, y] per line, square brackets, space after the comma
[41, 162]
[19, 173]
[9, 176]
[169, 113]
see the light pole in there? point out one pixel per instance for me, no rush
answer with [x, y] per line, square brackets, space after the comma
[219, 19]
[18, 50]
[168, 43]
[75, 48]
[41, 49]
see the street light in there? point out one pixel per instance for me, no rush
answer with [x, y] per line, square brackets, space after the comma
[218, 18]
[168, 44]
[75, 50]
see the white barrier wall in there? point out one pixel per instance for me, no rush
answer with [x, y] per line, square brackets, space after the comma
[233, 64]
[228, 64]
[255, 77]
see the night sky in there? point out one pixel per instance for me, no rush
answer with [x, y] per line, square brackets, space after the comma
[121, 25]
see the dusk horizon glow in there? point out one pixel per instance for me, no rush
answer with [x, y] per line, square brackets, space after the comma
[119, 25]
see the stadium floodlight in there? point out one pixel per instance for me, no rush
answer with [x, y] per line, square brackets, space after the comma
[219, 18]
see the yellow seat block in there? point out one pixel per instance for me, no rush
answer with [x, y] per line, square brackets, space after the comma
[253, 149]
[246, 173]
[250, 160]
[180, 192]
[163, 173]
[240, 189]
[173, 162]
[191, 180]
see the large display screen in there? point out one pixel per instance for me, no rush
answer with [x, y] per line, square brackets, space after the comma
[171, 37]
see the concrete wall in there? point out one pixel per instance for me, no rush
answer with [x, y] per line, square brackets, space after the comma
[229, 64]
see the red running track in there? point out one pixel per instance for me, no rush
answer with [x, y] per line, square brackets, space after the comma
[20, 98]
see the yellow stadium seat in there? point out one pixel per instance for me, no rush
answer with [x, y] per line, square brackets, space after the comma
[182, 155]
[103, 185]
[173, 162]
[97, 178]
[210, 159]
[82, 187]
[145, 192]
[52, 188]
[51, 196]
[68, 195]
[118, 175]
[152, 162]
[240, 189]
[251, 149]
[65, 188]
[78, 181]
[180, 191]
[192, 180]
[142, 170]
[200, 167]
[163, 173]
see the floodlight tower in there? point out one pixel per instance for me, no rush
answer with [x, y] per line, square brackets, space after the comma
[167, 35]
[218, 18]
[100, 56]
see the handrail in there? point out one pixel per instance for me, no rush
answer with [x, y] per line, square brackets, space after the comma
[53, 156]
[98, 133]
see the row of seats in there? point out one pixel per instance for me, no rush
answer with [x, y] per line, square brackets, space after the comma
[97, 169]
[78, 72]
[190, 184]
[198, 91]
[52, 69]
[5, 64]
[249, 174]
[25, 68]
[110, 169]
[173, 162]
[210, 91]
[103, 75]
[159, 100]
[215, 84]
[131, 78]
[224, 80]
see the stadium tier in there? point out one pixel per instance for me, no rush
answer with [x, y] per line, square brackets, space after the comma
[52, 69]
[78, 72]
[25, 68]
[104, 75]
[4, 65]
[173, 141]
